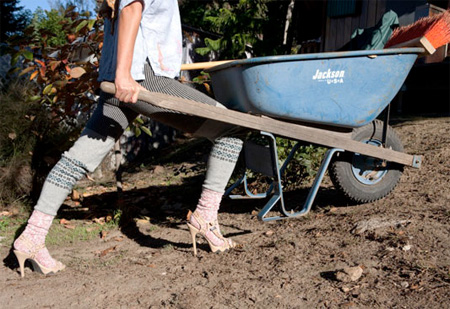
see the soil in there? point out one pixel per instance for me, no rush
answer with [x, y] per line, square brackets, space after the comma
[392, 253]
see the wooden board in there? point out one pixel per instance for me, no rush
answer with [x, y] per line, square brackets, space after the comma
[313, 135]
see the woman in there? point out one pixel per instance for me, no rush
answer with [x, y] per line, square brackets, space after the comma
[142, 51]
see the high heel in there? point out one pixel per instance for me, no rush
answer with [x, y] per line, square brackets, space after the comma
[194, 232]
[31, 256]
[206, 227]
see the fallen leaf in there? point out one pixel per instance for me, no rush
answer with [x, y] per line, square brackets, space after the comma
[103, 234]
[64, 221]
[5, 214]
[119, 238]
[142, 222]
[106, 251]
[100, 221]
[12, 135]
[69, 226]
[152, 265]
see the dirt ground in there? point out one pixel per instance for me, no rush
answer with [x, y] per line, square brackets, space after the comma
[393, 253]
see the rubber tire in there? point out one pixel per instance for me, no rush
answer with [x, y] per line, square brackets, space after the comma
[344, 179]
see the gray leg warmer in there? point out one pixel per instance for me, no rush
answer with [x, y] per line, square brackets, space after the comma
[85, 155]
[105, 126]
[221, 163]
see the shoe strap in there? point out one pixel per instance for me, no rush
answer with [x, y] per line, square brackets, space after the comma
[212, 226]
[31, 246]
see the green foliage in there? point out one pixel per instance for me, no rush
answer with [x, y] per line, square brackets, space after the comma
[239, 23]
[20, 118]
[300, 170]
[49, 27]
[304, 164]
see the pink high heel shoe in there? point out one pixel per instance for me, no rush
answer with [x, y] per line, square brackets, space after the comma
[206, 227]
[31, 255]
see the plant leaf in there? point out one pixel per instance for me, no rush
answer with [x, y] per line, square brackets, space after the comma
[27, 54]
[77, 72]
[33, 75]
[213, 44]
[81, 25]
[202, 51]
[137, 131]
[47, 89]
[146, 130]
[26, 70]
[91, 23]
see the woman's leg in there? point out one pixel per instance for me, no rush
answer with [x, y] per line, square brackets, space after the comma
[223, 157]
[97, 139]
[221, 164]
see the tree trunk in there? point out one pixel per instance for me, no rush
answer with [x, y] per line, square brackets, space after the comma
[288, 21]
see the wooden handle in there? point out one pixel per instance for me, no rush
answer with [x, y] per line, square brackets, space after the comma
[108, 87]
[202, 65]
[418, 42]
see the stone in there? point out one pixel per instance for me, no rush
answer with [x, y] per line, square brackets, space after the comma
[406, 248]
[349, 274]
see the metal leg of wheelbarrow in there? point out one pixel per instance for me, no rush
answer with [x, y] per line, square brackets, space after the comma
[278, 193]
[248, 193]
[271, 164]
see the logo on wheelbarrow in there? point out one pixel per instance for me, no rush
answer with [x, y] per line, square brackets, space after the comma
[330, 77]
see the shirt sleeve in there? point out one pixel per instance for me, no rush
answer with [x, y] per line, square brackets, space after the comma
[124, 3]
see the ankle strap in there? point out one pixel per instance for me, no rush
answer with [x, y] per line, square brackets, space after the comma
[32, 247]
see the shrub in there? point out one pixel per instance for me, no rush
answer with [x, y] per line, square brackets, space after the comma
[17, 140]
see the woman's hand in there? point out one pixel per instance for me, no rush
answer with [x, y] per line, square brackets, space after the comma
[127, 89]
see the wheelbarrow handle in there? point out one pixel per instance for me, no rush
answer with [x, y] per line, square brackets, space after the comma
[202, 65]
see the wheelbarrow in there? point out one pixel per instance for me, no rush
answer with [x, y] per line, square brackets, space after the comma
[327, 99]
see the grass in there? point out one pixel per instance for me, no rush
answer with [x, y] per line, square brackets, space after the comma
[8, 228]
[59, 234]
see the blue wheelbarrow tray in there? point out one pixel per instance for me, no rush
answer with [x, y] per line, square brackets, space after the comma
[343, 89]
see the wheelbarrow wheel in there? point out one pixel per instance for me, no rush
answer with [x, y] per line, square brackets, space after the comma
[365, 179]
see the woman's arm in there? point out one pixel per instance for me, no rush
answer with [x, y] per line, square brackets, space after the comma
[127, 89]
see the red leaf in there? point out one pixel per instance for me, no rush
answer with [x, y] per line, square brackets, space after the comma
[40, 62]
[42, 71]
[33, 75]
